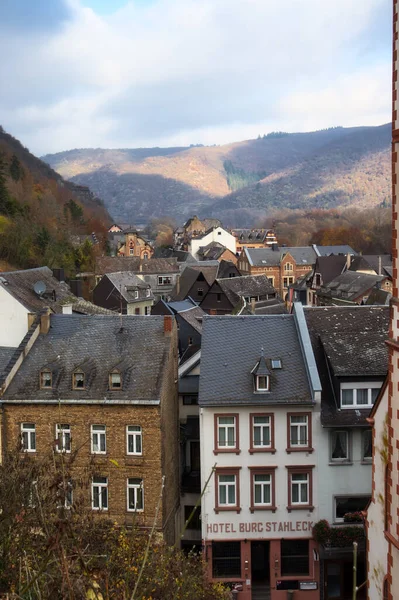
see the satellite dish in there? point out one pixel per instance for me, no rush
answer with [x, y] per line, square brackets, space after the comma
[39, 288]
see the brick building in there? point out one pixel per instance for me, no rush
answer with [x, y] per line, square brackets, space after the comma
[107, 388]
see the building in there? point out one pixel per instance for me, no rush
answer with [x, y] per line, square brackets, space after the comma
[351, 287]
[188, 316]
[192, 228]
[107, 389]
[216, 251]
[224, 295]
[282, 265]
[214, 234]
[135, 245]
[196, 279]
[352, 362]
[254, 238]
[259, 399]
[125, 293]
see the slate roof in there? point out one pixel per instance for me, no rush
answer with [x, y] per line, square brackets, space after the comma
[249, 285]
[225, 268]
[180, 255]
[6, 353]
[373, 260]
[272, 306]
[327, 250]
[330, 267]
[193, 317]
[353, 339]
[189, 276]
[257, 236]
[379, 297]
[114, 264]
[231, 346]
[349, 286]
[359, 263]
[127, 283]
[212, 251]
[83, 307]
[267, 256]
[98, 344]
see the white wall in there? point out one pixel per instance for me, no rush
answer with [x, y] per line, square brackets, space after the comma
[378, 546]
[262, 459]
[216, 235]
[13, 320]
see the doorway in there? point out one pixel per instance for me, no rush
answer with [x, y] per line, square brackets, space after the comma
[260, 569]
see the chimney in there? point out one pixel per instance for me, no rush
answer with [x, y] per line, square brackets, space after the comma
[253, 306]
[31, 318]
[379, 265]
[45, 323]
[76, 287]
[167, 325]
[348, 261]
[67, 309]
[178, 284]
[59, 274]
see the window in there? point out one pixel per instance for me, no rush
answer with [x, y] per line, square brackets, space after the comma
[98, 439]
[288, 267]
[63, 437]
[135, 495]
[262, 432]
[195, 521]
[226, 433]
[46, 379]
[271, 279]
[300, 487]
[218, 297]
[115, 380]
[340, 446]
[28, 437]
[294, 557]
[362, 397]
[262, 383]
[134, 439]
[145, 256]
[276, 363]
[131, 251]
[136, 294]
[287, 281]
[78, 380]
[148, 292]
[137, 311]
[299, 432]
[190, 341]
[147, 310]
[190, 400]
[226, 559]
[349, 504]
[200, 292]
[99, 493]
[162, 280]
[367, 445]
[227, 490]
[318, 280]
[262, 489]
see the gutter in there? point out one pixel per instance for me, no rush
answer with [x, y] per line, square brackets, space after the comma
[307, 351]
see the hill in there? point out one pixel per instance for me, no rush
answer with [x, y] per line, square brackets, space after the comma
[43, 218]
[238, 182]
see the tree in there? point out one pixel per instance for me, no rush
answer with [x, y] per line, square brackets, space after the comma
[16, 170]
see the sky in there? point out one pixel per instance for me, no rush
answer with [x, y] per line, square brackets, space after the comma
[120, 74]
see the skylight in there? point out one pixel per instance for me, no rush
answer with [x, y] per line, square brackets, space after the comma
[276, 363]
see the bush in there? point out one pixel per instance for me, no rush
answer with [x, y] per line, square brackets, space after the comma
[337, 537]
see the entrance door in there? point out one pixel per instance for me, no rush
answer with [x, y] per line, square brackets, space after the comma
[260, 569]
[333, 580]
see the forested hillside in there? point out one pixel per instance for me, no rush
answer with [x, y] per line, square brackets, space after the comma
[43, 218]
[238, 182]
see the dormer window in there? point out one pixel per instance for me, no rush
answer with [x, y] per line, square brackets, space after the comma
[262, 383]
[78, 380]
[115, 380]
[46, 379]
[136, 294]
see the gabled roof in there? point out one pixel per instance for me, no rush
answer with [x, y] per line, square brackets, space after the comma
[374, 261]
[350, 285]
[348, 341]
[231, 346]
[96, 344]
[180, 255]
[249, 285]
[212, 251]
[155, 266]
[327, 250]
[127, 284]
[226, 267]
[330, 266]
[251, 236]
[359, 263]
[190, 275]
[193, 317]
[258, 257]
[272, 306]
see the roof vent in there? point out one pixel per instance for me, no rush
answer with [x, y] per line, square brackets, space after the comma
[39, 288]
[3, 281]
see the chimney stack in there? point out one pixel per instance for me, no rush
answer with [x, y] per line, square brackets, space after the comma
[253, 306]
[348, 261]
[167, 325]
[45, 323]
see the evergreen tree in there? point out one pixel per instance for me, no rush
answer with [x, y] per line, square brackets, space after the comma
[16, 170]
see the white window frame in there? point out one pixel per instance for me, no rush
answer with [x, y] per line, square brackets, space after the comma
[135, 488]
[148, 292]
[262, 426]
[226, 485]
[74, 380]
[348, 448]
[134, 433]
[115, 387]
[46, 376]
[28, 437]
[268, 483]
[98, 432]
[226, 427]
[287, 281]
[288, 267]
[63, 438]
[259, 387]
[101, 484]
[298, 427]
[367, 459]
[360, 385]
[300, 484]
[136, 294]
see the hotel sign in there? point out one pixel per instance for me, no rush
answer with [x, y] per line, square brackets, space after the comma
[260, 527]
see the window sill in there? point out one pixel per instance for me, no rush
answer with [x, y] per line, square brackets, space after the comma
[219, 509]
[344, 463]
[253, 509]
[228, 451]
[256, 450]
[368, 461]
[307, 449]
[307, 507]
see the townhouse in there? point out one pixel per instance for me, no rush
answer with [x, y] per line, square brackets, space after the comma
[86, 384]
[259, 398]
[124, 292]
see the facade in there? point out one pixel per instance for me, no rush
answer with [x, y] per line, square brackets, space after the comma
[351, 287]
[259, 401]
[124, 293]
[135, 245]
[215, 234]
[226, 294]
[282, 265]
[254, 238]
[86, 384]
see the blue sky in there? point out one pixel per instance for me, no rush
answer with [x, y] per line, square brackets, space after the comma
[118, 73]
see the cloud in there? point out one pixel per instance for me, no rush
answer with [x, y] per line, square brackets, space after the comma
[194, 71]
